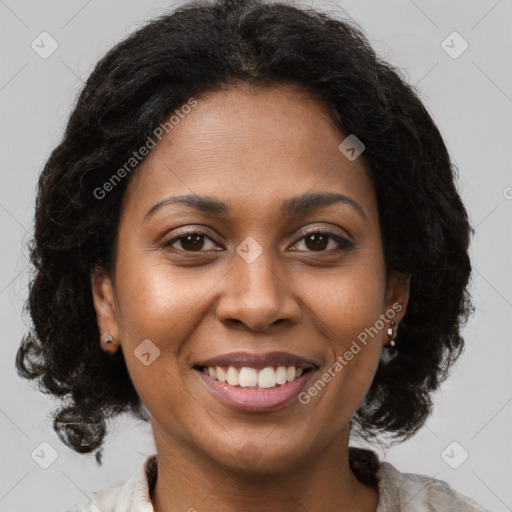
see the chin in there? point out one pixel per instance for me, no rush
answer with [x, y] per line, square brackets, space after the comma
[258, 455]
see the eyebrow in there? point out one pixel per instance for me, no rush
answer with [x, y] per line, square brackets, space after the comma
[293, 206]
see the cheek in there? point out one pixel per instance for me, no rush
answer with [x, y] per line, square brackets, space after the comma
[162, 305]
[350, 299]
[160, 302]
[349, 311]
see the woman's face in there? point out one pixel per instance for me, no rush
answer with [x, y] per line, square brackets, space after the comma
[253, 289]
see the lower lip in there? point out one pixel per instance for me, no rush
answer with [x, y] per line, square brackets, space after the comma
[248, 399]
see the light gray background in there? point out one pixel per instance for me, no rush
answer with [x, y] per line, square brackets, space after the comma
[469, 97]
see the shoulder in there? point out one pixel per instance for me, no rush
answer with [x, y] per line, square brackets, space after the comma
[412, 492]
[133, 496]
[104, 500]
[407, 492]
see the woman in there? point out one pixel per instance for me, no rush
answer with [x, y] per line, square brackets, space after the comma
[251, 236]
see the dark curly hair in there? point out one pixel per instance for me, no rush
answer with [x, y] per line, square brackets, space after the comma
[206, 46]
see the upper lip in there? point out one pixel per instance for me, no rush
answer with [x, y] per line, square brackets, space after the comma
[258, 361]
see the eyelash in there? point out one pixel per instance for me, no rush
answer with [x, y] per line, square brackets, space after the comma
[344, 243]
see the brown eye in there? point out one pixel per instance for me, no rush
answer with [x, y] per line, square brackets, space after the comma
[316, 241]
[190, 242]
[322, 241]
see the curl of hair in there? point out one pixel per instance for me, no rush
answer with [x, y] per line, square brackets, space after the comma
[202, 47]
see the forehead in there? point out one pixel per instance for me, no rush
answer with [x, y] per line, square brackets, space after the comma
[252, 147]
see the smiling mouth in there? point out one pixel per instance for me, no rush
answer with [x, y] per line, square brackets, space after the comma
[246, 377]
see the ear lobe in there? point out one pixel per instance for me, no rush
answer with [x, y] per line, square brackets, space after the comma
[104, 305]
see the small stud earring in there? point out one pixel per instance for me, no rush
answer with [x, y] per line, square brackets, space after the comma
[391, 332]
[110, 346]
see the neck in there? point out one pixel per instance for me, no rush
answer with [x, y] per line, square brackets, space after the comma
[192, 481]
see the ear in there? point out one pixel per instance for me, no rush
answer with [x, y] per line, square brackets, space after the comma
[397, 295]
[104, 305]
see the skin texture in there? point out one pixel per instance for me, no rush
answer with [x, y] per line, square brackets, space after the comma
[252, 149]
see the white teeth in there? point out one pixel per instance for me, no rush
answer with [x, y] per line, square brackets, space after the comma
[281, 375]
[290, 373]
[247, 377]
[221, 374]
[232, 376]
[267, 378]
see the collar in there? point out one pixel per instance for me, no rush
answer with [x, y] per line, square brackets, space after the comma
[398, 491]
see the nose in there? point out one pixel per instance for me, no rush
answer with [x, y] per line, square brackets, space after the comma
[256, 294]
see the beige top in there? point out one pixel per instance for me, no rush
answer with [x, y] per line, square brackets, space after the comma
[404, 492]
